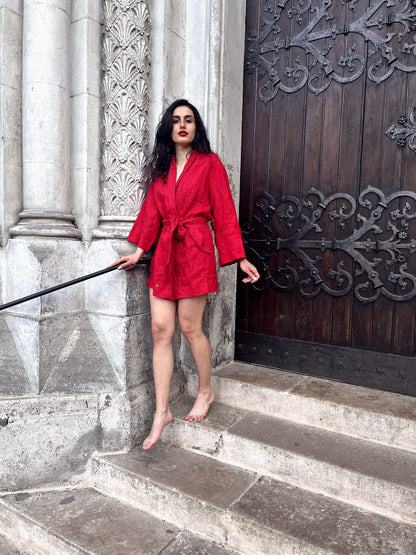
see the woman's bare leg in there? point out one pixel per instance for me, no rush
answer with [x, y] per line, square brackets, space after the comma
[190, 312]
[163, 327]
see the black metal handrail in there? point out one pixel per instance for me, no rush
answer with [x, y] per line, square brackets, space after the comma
[65, 284]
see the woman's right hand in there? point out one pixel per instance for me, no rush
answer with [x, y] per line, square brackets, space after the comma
[129, 261]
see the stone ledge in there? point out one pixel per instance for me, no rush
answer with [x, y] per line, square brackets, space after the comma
[372, 476]
[388, 418]
[86, 521]
[243, 510]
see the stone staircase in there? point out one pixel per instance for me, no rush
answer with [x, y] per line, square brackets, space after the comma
[283, 464]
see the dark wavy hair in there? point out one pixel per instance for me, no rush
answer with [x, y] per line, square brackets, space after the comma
[164, 147]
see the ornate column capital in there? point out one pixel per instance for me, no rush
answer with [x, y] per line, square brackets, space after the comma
[125, 138]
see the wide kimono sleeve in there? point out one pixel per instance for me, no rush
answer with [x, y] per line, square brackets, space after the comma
[225, 223]
[146, 227]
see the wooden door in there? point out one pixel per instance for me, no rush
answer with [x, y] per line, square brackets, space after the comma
[328, 190]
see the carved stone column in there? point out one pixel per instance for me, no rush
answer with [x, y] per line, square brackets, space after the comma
[45, 121]
[126, 63]
[11, 22]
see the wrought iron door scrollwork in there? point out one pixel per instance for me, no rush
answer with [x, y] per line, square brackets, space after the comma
[406, 134]
[382, 31]
[370, 254]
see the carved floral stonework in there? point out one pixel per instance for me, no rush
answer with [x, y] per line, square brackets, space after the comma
[126, 64]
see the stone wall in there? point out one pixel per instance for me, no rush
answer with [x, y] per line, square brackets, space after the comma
[83, 84]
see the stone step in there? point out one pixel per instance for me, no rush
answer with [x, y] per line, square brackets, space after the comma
[373, 476]
[243, 510]
[9, 547]
[84, 521]
[380, 416]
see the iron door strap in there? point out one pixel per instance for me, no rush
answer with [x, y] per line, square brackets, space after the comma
[372, 259]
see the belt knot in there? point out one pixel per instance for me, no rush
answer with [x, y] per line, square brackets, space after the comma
[180, 225]
[180, 231]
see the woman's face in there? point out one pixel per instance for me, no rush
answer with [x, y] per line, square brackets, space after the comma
[183, 129]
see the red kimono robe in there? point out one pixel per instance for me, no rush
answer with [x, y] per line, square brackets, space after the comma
[175, 216]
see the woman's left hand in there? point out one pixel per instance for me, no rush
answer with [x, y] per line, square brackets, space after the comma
[250, 270]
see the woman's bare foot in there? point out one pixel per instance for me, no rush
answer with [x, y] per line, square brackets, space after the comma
[201, 406]
[159, 422]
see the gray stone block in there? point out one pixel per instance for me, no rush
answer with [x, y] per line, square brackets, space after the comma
[73, 359]
[365, 413]
[177, 487]
[312, 523]
[82, 521]
[10, 547]
[50, 439]
[368, 474]
[14, 377]
[243, 510]
[186, 543]
[85, 521]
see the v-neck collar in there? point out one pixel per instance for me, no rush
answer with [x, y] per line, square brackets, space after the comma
[186, 167]
[172, 184]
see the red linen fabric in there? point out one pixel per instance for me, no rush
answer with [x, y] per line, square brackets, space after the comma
[175, 217]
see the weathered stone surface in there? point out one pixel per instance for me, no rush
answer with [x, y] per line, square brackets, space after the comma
[312, 520]
[260, 376]
[190, 491]
[371, 475]
[243, 510]
[45, 263]
[85, 57]
[383, 402]
[364, 457]
[14, 378]
[49, 439]
[51, 345]
[85, 86]
[9, 547]
[365, 413]
[82, 8]
[78, 363]
[138, 350]
[83, 521]
[189, 544]
[195, 476]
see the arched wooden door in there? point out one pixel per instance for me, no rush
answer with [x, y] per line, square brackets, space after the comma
[328, 190]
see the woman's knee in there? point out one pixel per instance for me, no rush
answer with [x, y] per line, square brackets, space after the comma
[162, 332]
[191, 330]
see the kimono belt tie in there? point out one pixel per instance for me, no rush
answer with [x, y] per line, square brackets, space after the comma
[175, 226]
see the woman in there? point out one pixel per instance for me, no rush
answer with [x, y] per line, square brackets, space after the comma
[189, 188]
